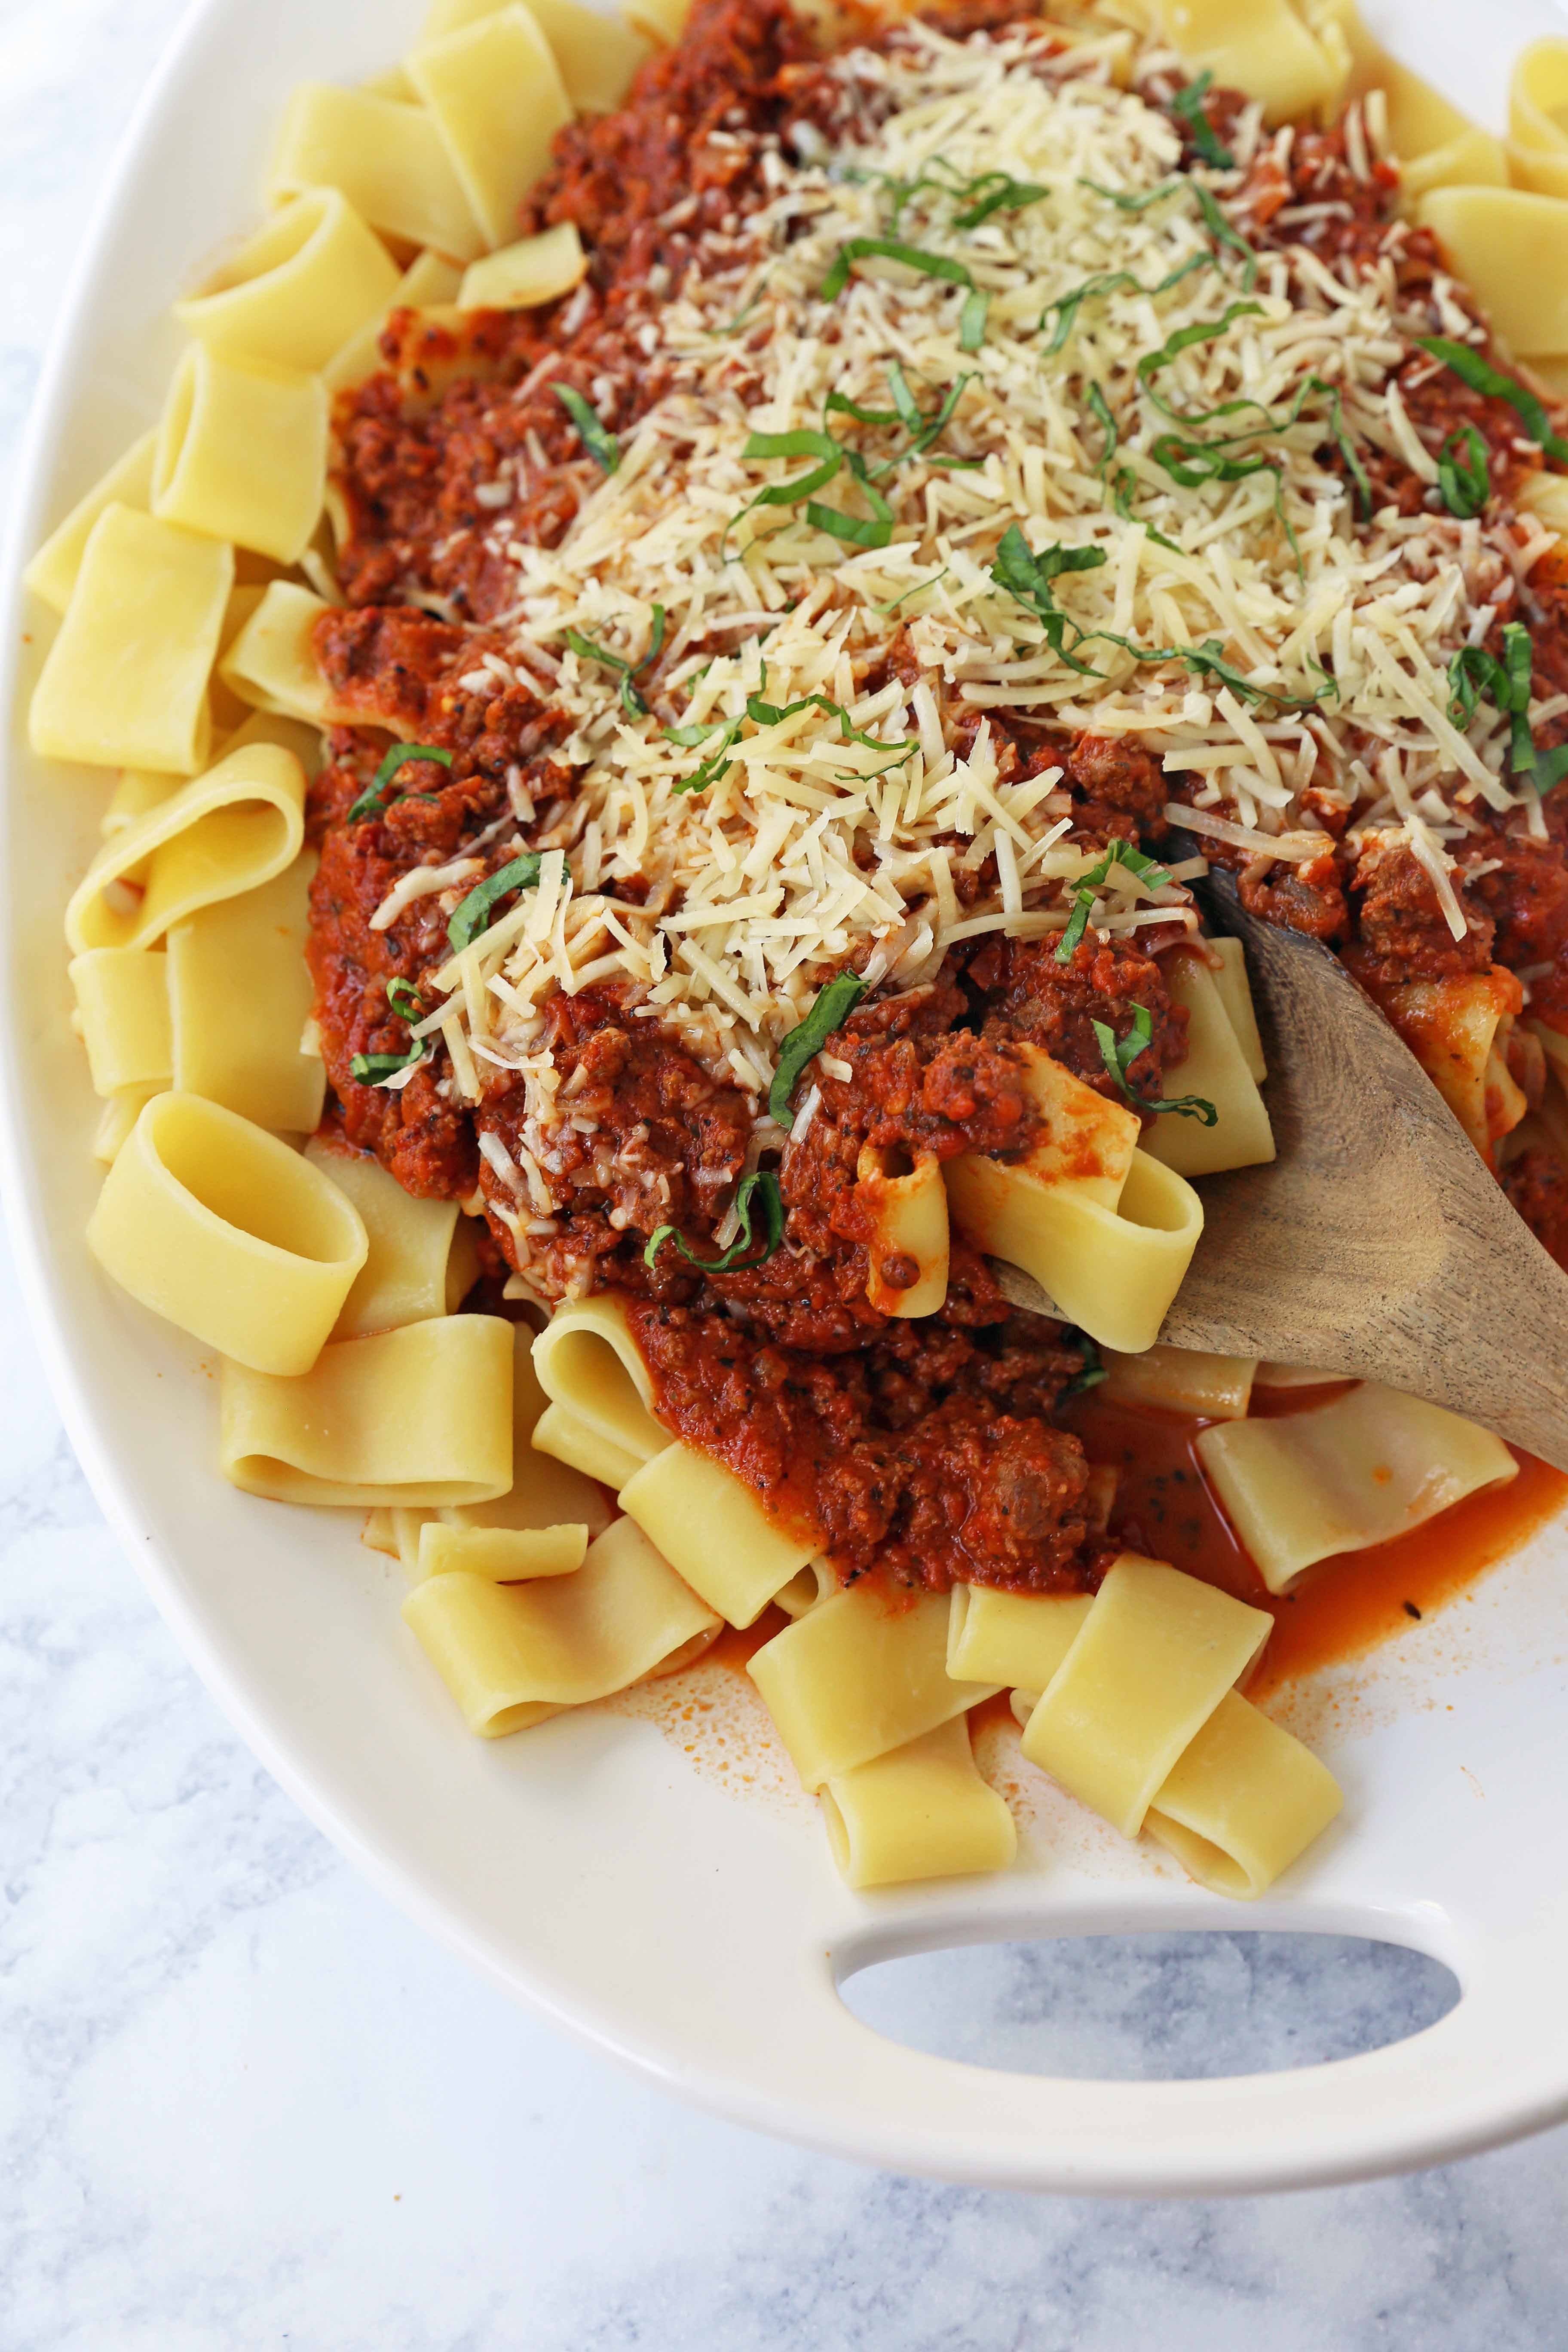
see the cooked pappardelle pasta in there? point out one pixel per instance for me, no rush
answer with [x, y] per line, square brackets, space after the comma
[702, 596]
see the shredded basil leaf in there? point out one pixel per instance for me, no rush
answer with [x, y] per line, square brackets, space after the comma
[374, 1069]
[601, 445]
[1202, 331]
[1142, 198]
[1119, 1058]
[768, 714]
[855, 530]
[403, 998]
[1117, 853]
[473, 913]
[762, 1187]
[1210, 149]
[1027, 578]
[830, 1007]
[1193, 463]
[1100, 409]
[587, 649]
[971, 321]
[1474, 671]
[718, 764]
[1112, 281]
[893, 602]
[1093, 1372]
[1464, 477]
[1002, 193]
[1224, 232]
[890, 248]
[373, 798]
[1481, 376]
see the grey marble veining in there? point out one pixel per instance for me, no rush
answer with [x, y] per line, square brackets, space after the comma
[243, 2105]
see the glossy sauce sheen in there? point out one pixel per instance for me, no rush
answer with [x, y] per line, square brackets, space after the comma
[1345, 1605]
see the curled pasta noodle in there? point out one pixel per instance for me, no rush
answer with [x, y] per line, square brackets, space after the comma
[1538, 118]
[121, 1112]
[51, 575]
[123, 1005]
[298, 288]
[559, 1434]
[429, 279]
[921, 1811]
[805, 1587]
[1215, 1068]
[1511, 245]
[665, 20]
[1181, 1380]
[857, 1675]
[416, 1418]
[227, 831]
[387, 158]
[1437, 146]
[506, 1555]
[422, 1260]
[511, 1654]
[1368, 1467]
[242, 453]
[1243, 1801]
[596, 55]
[1154, 1657]
[223, 1230]
[1236, 995]
[1018, 1638]
[1105, 1230]
[589, 1365]
[271, 665]
[239, 997]
[124, 685]
[714, 1531]
[1454, 1028]
[544, 1493]
[904, 1203]
[535, 269]
[1262, 47]
[497, 102]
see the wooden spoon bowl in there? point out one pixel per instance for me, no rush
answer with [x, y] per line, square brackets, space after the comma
[1377, 1244]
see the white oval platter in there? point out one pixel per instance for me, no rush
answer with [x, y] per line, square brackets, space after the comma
[627, 1873]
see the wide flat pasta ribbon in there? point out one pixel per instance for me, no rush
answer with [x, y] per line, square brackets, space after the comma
[298, 288]
[1153, 1657]
[857, 1675]
[229, 831]
[511, 1654]
[923, 1811]
[1106, 1230]
[1368, 1467]
[419, 1417]
[227, 1233]
[124, 684]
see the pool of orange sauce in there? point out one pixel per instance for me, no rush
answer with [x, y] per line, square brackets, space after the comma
[1339, 1609]
[1346, 1604]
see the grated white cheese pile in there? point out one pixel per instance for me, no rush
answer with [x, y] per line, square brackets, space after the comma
[813, 846]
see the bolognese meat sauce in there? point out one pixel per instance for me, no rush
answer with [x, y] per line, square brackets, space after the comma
[928, 1450]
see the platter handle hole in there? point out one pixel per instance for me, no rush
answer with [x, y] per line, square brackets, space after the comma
[1172, 2006]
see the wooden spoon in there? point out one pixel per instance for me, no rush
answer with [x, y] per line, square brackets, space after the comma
[1377, 1244]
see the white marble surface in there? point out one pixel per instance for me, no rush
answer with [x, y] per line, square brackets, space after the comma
[243, 2104]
